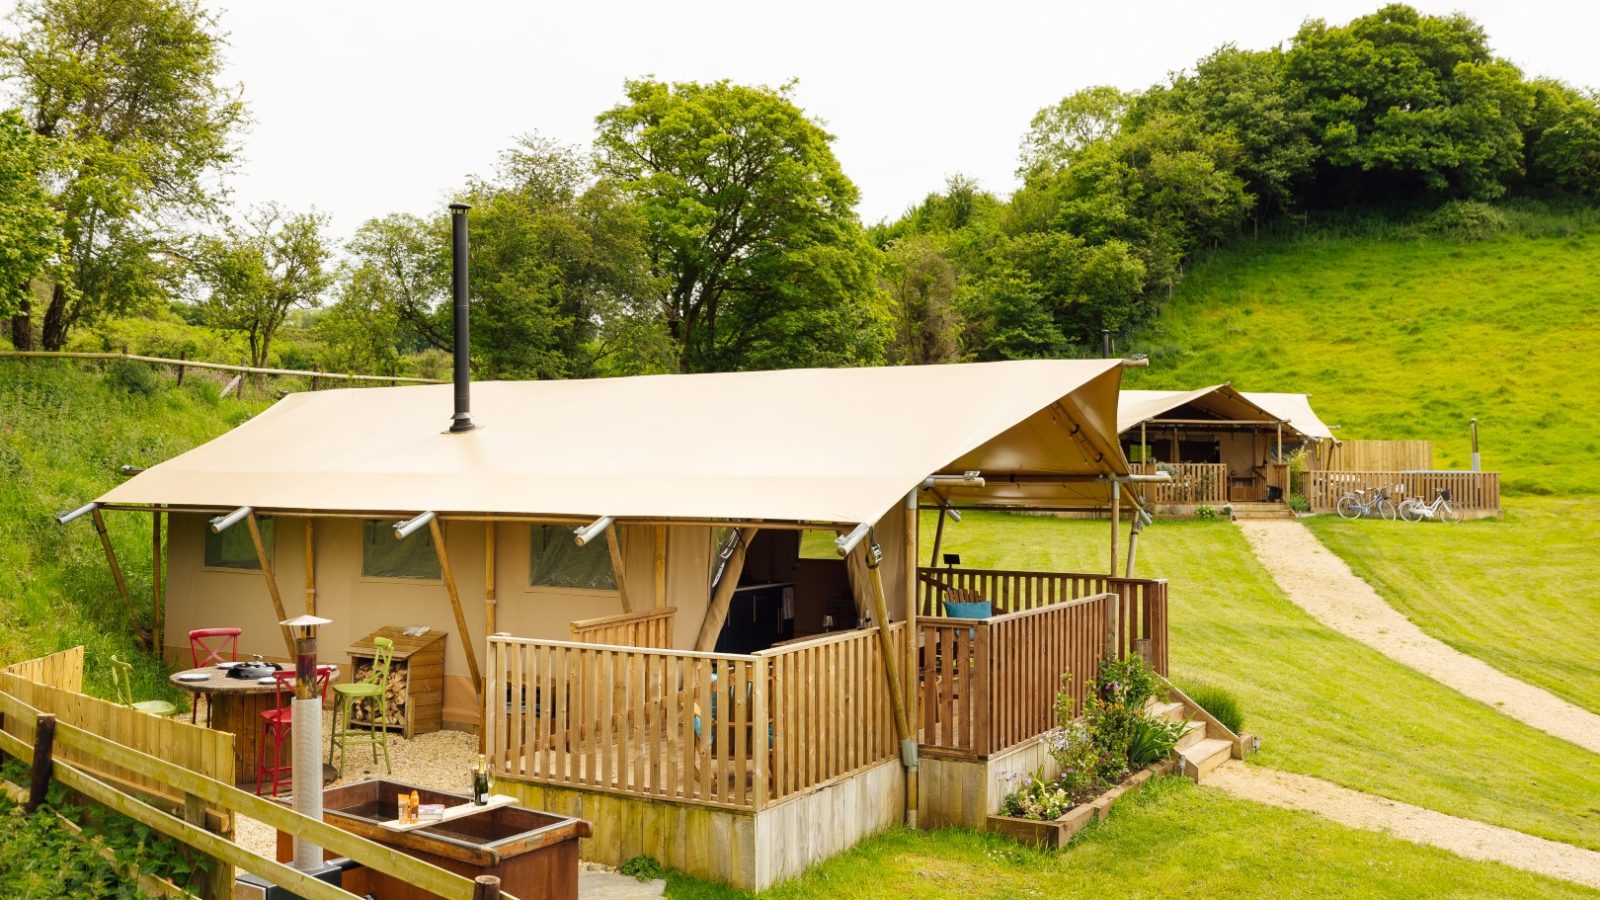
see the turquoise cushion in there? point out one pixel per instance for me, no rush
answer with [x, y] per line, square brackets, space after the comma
[978, 609]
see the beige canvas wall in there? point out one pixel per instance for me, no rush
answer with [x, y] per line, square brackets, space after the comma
[198, 597]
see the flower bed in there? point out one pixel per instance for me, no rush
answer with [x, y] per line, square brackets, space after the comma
[1055, 833]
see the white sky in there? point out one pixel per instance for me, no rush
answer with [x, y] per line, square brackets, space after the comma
[363, 108]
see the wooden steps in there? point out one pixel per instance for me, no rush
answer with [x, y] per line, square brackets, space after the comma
[1261, 510]
[1203, 756]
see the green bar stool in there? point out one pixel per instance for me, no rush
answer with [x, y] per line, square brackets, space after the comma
[122, 684]
[374, 690]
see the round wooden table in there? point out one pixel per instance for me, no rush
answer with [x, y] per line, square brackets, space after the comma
[236, 705]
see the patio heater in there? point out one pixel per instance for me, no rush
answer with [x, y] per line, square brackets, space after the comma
[306, 762]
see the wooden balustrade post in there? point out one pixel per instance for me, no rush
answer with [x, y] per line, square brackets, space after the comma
[44, 739]
[486, 887]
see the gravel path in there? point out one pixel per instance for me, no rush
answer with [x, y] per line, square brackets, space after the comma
[1463, 837]
[1322, 584]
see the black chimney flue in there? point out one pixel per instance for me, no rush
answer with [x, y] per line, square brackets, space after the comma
[462, 420]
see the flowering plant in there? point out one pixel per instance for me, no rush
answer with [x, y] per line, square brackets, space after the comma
[1037, 798]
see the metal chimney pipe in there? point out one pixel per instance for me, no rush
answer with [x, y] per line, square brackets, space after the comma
[1105, 343]
[462, 420]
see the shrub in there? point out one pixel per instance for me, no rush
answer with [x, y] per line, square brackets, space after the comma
[1153, 740]
[133, 377]
[644, 868]
[1219, 702]
[1466, 220]
[1205, 514]
[1299, 503]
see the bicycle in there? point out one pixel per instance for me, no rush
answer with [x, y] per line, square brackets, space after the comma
[1414, 510]
[1369, 503]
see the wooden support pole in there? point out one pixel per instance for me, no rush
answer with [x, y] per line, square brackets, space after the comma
[44, 739]
[157, 607]
[111, 559]
[272, 580]
[618, 567]
[891, 671]
[661, 566]
[1145, 465]
[909, 672]
[938, 538]
[311, 568]
[490, 600]
[449, 578]
[722, 595]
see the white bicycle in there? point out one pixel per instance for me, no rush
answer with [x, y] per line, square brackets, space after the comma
[1414, 510]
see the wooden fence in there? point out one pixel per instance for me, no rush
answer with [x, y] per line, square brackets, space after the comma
[62, 670]
[644, 629]
[990, 684]
[78, 756]
[1381, 456]
[1191, 483]
[724, 730]
[1142, 603]
[182, 364]
[1473, 492]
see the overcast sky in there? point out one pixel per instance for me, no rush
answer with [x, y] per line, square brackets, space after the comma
[363, 108]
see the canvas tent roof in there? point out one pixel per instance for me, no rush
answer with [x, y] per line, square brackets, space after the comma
[1220, 400]
[1294, 409]
[839, 446]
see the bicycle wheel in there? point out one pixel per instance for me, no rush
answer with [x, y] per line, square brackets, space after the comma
[1386, 510]
[1411, 510]
[1449, 513]
[1348, 508]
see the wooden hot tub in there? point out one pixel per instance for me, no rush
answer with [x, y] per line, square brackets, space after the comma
[534, 854]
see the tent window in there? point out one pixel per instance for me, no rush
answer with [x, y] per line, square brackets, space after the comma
[384, 557]
[556, 560]
[233, 548]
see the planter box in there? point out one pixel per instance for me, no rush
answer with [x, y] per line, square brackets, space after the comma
[1053, 834]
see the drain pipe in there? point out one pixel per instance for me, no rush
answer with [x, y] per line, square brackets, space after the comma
[891, 671]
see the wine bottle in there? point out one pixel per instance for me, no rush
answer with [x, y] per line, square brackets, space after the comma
[480, 783]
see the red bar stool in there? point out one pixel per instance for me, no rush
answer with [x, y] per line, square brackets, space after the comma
[276, 725]
[206, 647]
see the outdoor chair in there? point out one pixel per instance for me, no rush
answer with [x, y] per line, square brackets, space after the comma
[276, 724]
[122, 685]
[374, 691]
[206, 647]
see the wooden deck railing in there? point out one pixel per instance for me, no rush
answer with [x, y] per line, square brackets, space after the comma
[726, 730]
[1142, 607]
[990, 684]
[1191, 483]
[1469, 491]
[830, 708]
[652, 628]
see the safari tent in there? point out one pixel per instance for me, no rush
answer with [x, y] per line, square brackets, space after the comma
[690, 608]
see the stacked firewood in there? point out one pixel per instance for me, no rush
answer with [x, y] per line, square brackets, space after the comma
[364, 711]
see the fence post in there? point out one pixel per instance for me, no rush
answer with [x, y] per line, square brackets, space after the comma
[486, 887]
[218, 879]
[44, 739]
[182, 356]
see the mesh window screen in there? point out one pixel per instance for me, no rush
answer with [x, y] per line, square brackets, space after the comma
[384, 557]
[558, 561]
[233, 548]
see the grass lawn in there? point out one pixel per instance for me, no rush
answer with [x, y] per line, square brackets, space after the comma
[1518, 594]
[1324, 705]
[1400, 337]
[1171, 839]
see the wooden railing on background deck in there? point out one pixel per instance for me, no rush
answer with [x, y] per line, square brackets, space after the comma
[830, 708]
[676, 725]
[990, 684]
[1472, 491]
[1191, 483]
[652, 628]
[1142, 614]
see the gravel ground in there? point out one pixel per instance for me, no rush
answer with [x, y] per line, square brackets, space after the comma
[1463, 837]
[1322, 584]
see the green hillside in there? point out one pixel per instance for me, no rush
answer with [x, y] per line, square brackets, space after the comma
[1409, 330]
[63, 432]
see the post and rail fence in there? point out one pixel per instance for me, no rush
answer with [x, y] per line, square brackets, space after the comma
[316, 377]
[1474, 493]
[136, 765]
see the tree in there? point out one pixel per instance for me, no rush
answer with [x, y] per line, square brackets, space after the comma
[750, 226]
[254, 275]
[1564, 139]
[921, 284]
[31, 243]
[1057, 133]
[130, 90]
[1417, 100]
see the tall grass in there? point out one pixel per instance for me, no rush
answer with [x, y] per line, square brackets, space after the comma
[64, 429]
